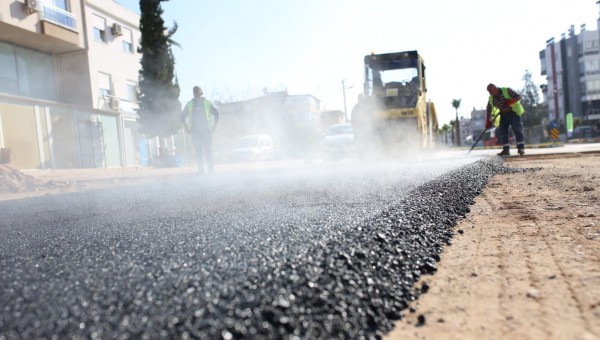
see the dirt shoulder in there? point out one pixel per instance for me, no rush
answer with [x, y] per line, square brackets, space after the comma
[525, 262]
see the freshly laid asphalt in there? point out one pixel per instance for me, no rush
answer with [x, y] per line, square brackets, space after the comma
[325, 252]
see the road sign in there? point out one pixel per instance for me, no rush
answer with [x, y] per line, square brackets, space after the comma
[554, 134]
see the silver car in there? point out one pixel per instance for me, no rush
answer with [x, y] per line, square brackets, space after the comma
[338, 141]
[253, 148]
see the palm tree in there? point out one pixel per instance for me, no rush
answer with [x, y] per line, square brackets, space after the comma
[456, 105]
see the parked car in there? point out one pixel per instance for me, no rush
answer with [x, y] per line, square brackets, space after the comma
[338, 141]
[253, 148]
[585, 131]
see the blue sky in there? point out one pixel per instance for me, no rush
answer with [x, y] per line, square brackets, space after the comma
[236, 48]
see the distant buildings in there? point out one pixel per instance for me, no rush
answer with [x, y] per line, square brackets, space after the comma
[572, 69]
[294, 122]
[465, 130]
[477, 123]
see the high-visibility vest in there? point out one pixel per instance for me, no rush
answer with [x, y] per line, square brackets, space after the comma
[207, 112]
[516, 106]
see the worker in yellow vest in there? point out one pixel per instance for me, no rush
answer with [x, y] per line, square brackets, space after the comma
[200, 118]
[505, 109]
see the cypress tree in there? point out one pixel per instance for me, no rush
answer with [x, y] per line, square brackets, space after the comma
[159, 106]
[534, 113]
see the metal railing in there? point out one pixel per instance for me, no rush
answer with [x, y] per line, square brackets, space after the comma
[58, 16]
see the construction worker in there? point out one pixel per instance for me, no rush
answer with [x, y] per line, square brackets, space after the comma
[505, 110]
[200, 118]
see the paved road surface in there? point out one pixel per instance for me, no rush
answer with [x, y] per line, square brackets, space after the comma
[227, 256]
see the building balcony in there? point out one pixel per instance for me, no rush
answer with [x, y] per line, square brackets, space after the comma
[58, 23]
[57, 16]
[42, 26]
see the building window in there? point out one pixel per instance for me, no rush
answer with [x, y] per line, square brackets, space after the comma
[591, 45]
[127, 44]
[592, 66]
[127, 47]
[99, 28]
[132, 91]
[26, 72]
[104, 84]
[593, 86]
[62, 4]
[543, 62]
[9, 80]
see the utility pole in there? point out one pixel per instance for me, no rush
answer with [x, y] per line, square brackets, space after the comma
[344, 94]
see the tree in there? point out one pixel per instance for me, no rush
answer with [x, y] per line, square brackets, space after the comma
[444, 131]
[453, 129]
[159, 105]
[529, 94]
[534, 112]
[456, 105]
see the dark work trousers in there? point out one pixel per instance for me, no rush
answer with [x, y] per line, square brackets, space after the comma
[203, 147]
[513, 120]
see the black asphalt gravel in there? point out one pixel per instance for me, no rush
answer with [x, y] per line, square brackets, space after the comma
[316, 253]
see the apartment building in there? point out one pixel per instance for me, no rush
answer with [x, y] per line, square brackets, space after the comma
[572, 69]
[114, 66]
[68, 84]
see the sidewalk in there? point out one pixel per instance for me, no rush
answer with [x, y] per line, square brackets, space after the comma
[18, 184]
[101, 174]
[104, 174]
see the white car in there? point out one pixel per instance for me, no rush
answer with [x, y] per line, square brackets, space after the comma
[253, 148]
[338, 141]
